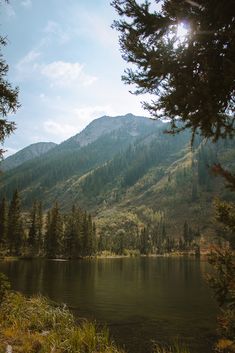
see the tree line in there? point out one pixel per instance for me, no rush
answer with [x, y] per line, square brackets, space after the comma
[54, 234]
[149, 239]
[73, 234]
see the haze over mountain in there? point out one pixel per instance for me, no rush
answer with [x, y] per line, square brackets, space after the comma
[26, 154]
[127, 172]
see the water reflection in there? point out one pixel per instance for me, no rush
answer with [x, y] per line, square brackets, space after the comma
[141, 299]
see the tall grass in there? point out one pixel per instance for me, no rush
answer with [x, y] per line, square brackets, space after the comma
[176, 347]
[33, 325]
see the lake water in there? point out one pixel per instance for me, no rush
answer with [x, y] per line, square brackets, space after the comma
[142, 300]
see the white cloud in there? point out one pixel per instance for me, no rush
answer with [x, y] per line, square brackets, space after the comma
[76, 120]
[26, 3]
[65, 74]
[59, 73]
[86, 114]
[28, 64]
[54, 29]
[60, 129]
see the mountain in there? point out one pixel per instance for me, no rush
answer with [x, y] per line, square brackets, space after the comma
[99, 142]
[128, 173]
[26, 154]
[133, 125]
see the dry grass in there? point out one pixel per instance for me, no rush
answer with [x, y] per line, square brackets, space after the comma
[33, 325]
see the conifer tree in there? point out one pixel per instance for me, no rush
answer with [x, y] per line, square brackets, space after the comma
[72, 244]
[47, 240]
[144, 241]
[33, 230]
[54, 232]
[15, 227]
[191, 78]
[40, 227]
[90, 237]
[94, 237]
[3, 222]
[186, 233]
[8, 97]
[85, 236]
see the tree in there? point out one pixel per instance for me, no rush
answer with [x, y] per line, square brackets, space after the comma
[8, 98]
[35, 229]
[54, 232]
[3, 222]
[192, 77]
[15, 227]
[72, 237]
[192, 80]
[40, 227]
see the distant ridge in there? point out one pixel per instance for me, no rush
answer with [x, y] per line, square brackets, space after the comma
[26, 154]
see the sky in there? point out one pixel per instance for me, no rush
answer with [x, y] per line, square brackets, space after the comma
[65, 58]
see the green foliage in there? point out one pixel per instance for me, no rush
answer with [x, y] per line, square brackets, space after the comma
[223, 284]
[225, 214]
[54, 232]
[222, 281]
[190, 78]
[69, 235]
[9, 98]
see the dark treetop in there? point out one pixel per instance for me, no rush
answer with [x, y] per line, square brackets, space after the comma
[192, 78]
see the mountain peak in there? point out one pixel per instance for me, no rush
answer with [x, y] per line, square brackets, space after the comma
[107, 124]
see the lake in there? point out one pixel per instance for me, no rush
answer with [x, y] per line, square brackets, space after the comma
[142, 300]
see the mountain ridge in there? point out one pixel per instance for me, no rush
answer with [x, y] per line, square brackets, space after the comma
[128, 176]
[25, 154]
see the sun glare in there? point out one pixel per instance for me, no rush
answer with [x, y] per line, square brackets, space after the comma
[182, 31]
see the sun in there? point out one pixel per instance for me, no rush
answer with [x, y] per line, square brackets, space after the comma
[182, 31]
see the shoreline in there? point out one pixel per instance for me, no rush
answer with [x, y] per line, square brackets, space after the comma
[108, 256]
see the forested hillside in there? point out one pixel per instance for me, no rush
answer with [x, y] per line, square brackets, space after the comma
[147, 190]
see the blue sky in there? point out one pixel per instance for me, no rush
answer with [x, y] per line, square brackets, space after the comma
[65, 58]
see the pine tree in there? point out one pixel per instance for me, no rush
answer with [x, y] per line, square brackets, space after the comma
[3, 222]
[54, 232]
[40, 228]
[90, 237]
[94, 238]
[8, 98]
[190, 79]
[72, 234]
[85, 236]
[15, 226]
[186, 233]
[144, 241]
[33, 230]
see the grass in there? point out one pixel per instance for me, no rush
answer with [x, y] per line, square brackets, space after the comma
[36, 325]
[33, 325]
[176, 347]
